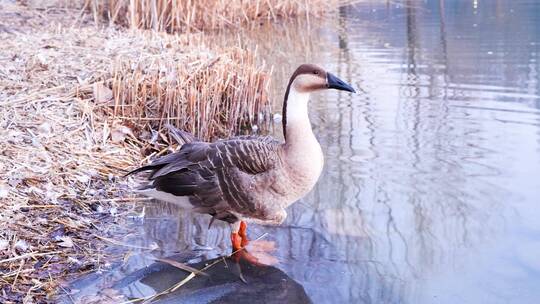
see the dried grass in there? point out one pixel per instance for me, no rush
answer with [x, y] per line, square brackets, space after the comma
[208, 95]
[192, 16]
[55, 179]
[78, 104]
[56, 169]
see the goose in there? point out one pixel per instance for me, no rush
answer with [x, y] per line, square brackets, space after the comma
[247, 179]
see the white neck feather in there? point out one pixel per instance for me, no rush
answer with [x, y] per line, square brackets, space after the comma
[297, 107]
[303, 150]
[298, 126]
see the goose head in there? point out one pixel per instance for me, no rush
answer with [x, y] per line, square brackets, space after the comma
[310, 78]
[307, 78]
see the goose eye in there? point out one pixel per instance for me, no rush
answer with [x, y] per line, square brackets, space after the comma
[316, 72]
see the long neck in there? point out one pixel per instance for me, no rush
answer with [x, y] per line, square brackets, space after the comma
[296, 124]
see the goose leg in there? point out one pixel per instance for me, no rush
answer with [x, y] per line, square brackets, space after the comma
[236, 239]
[239, 241]
[242, 232]
[239, 236]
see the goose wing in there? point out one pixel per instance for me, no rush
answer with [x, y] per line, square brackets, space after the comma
[213, 173]
[249, 154]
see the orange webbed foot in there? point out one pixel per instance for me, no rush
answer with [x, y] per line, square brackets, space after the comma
[261, 249]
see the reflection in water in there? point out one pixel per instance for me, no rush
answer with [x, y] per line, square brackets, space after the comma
[219, 283]
[431, 180]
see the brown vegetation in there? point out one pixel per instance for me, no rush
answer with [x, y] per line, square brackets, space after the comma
[210, 96]
[193, 16]
[78, 105]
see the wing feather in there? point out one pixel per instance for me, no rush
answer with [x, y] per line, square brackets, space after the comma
[212, 172]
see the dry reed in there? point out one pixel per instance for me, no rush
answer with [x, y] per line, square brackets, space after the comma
[57, 171]
[208, 95]
[76, 105]
[196, 15]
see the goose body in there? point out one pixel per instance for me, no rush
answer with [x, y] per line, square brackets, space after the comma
[248, 178]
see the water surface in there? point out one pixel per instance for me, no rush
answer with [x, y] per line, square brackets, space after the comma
[431, 187]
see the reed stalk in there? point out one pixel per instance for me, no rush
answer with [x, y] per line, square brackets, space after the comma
[197, 15]
[209, 96]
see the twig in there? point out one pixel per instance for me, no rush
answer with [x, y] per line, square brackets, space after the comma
[181, 266]
[129, 199]
[18, 272]
[69, 296]
[28, 255]
[118, 243]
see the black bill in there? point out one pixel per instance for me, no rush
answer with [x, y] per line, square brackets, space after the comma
[338, 84]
